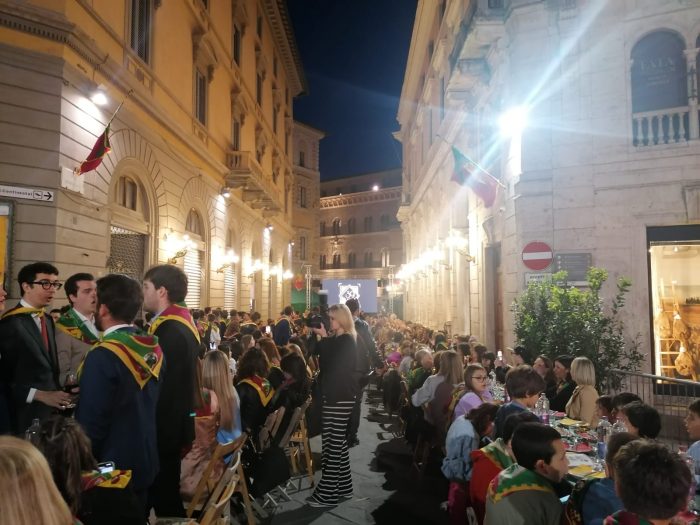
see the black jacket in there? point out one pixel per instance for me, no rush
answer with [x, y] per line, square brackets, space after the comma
[337, 360]
[26, 363]
[558, 400]
[174, 421]
[367, 356]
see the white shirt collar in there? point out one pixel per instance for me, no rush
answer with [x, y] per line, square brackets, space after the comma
[27, 305]
[115, 327]
[82, 317]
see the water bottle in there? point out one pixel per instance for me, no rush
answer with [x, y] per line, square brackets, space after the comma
[618, 427]
[603, 431]
[32, 433]
[543, 414]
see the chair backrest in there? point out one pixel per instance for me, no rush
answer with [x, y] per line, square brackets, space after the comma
[269, 429]
[208, 485]
[294, 423]
[216, 510]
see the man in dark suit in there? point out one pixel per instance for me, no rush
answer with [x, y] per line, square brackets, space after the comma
[282, 330]
[367, 358]
[28, 362]
[165, 286]
[119, 385]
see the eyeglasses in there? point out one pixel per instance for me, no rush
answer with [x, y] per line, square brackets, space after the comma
[479, 378]
[46, 285]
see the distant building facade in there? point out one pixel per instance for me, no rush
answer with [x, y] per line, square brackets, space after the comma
[306, 195]
[605, 173]
[200, 172]
[359, 234]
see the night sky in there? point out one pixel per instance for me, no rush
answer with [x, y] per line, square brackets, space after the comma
[354, 54]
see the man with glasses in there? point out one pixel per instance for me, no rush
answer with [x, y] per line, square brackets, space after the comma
[29, 373]
[76, 331]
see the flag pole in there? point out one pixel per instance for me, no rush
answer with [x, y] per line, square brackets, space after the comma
[472, 161]
[119, 107]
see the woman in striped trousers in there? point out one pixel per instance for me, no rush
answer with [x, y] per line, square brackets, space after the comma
[337, 355]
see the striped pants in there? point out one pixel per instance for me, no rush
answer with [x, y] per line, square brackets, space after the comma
[336, 480]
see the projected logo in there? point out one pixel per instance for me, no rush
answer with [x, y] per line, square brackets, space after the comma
[349, 291]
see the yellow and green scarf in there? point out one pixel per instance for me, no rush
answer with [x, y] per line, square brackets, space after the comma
[175, 312]
[117, 479]
[139, 352]
[23, 310]
[517, 479]
[262, 387]
[74, 326]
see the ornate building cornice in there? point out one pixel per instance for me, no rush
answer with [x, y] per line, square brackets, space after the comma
[283, 33]
[363, 197]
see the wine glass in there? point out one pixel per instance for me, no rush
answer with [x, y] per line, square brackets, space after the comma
[69, 386]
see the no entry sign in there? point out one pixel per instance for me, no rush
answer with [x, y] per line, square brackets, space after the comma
[537, 255]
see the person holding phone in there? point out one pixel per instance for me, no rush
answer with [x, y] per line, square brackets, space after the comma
[97, 493]
[337, 355]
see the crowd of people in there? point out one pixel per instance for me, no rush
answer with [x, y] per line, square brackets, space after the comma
[504, 462]
[123, 397]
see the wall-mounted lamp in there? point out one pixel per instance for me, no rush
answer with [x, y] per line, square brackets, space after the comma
[228, 261]
[256, 267]
[459, 243]
[287, 275]
[99, 96]
[225, 192]
[291, 243]
[269, 227]
[178, 247]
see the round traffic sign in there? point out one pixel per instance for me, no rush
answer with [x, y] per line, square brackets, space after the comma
[537, 255]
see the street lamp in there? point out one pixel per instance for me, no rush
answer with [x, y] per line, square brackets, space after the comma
[513, 121]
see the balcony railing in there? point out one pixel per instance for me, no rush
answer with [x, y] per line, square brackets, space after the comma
[663, 126]
[258, 189]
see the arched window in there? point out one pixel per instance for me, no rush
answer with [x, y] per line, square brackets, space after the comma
[336, 226]
[323, 228]
[351, 225]
[352, 260]
[194, 223]
[322, 262]
[368, 224]
[659, 89]
[336, 260]
[368, 260]
[385, 258]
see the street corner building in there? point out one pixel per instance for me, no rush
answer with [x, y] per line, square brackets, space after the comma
[138, 132]
[552, 135]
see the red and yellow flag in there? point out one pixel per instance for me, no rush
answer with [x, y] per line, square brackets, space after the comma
[99, 150]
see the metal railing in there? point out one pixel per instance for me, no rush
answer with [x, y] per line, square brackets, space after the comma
[669, 396]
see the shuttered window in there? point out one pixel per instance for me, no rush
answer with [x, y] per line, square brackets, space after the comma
[193, 270]
[230, 289]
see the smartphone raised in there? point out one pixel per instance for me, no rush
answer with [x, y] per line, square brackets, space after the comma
[105, 467]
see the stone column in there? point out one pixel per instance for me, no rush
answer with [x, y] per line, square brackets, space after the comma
[694, 125]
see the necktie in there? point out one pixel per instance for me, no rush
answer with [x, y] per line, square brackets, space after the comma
[44, 332]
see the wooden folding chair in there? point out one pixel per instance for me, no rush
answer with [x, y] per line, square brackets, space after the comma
[207, 486]
[218, 505]
[298, 445]
[270, 428]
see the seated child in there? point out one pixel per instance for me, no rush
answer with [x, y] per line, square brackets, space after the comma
[490, 460]
[692, 425]
[526, 493]
[641, 419]
[652, 481]
[524, 386]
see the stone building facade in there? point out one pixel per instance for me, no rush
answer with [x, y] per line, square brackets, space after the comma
[604, 173]
[200, 171]
[307, 190]
[360, 237]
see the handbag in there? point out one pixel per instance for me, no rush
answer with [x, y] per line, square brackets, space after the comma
[270, 468]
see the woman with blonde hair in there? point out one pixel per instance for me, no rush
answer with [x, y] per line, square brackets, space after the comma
[28, 494]
[216, 376]
[337, 355]
[582, 405]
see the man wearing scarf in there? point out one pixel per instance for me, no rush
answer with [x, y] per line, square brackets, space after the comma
[75, 329]
[164, 292]
[528, 492]
[29, 372]
[119, 385]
